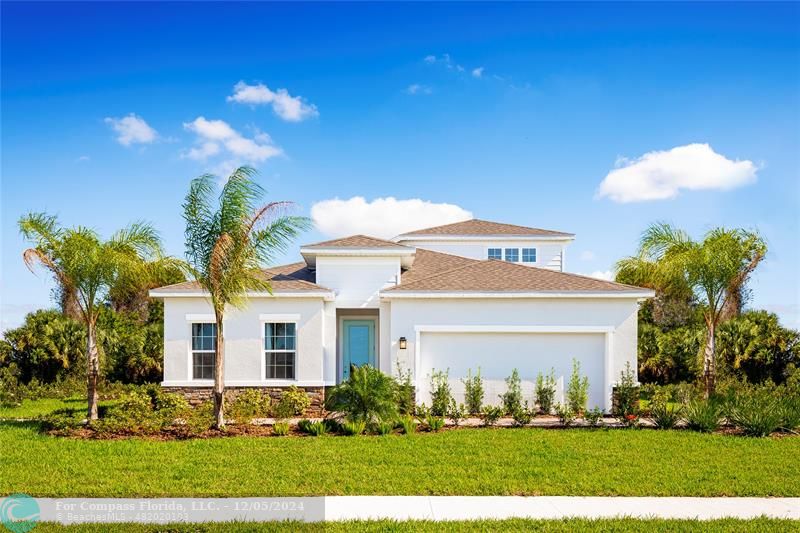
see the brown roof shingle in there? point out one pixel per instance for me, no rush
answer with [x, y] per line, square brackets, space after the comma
[294, 277]
[500, 276]
[428, 263]
[357, 241]
[485, 227]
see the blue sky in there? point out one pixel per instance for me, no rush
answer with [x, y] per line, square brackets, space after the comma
[515, 113]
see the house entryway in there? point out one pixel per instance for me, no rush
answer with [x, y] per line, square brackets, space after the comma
[358, 343]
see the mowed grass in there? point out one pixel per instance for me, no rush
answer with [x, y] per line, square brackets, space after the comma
[34, 408]
[547, 526]
[497, 461]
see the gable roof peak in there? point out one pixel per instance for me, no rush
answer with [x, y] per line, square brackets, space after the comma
[477, 226]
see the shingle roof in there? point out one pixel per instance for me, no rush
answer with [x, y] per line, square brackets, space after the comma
[485, 227]
[428, 263]
[357, 241]
[500, 276]
[294, 277]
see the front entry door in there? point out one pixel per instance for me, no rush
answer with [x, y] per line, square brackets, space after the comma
[358, 346]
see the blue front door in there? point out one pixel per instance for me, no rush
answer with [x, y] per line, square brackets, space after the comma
[358, 344]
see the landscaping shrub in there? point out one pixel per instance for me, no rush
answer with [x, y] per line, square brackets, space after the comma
[280, 429]
[594, 417]
[473, 392]
[304, 425]
[491, 414]
[408, 424]
[789, 408]
[383, 427]
[757, 413]
[457, 413]
[294, 401]
[134, 414]
[354, 427]
[367, 395]
[565, 414]
[626, 397]
[577, 390]
[434, 423]
[665, 413]
[318, 428]
[64, 420]
[546, 391]
[404, 391]
[512, 398]
[703, 415]
[440, 392]
[249, 404]
[522, 415]
[199, 419]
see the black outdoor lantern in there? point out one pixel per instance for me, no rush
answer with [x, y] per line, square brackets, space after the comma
[402, 343]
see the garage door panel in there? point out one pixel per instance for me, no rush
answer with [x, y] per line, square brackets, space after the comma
[498, 353]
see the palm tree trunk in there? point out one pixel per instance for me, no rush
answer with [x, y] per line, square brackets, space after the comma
[93, 370]
[709, 360]
[219, 377]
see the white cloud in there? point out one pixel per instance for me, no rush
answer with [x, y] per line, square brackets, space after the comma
[607, 275]
[587, 255]
[217, 137]
[382, 217]
[660, 175]
[430, 59]
[83, 159]
[416, 88]
[288, 107]
[477, 72]
[132, 130]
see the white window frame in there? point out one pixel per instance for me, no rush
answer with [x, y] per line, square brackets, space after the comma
[505, 250]
[279, 319]
[522, 254]
[199, 319]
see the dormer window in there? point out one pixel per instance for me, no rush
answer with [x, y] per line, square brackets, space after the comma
[495, 253]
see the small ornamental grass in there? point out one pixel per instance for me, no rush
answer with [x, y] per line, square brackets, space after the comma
[756, 413]
[703, 415]
[383, 428]
[408, 424]
[665, 414]
[280, 429]
[434, 423]
[352, 428]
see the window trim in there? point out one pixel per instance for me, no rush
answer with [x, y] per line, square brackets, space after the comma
[278, 319]
[505, 252]
[191, 350]
[535, 254]
[489, 250]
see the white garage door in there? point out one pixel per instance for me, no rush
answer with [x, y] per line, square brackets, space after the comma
[497, 354]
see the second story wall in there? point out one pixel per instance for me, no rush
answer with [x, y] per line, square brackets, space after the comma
[357, 280]
[549, 254]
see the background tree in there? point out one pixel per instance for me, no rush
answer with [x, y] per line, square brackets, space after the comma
[81, 262]
[713, 269]
[228, 242]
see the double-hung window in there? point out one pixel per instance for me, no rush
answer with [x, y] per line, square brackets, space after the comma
[495, 253]
[280, 349]
[204, 345]
[512, 255]
[529, 255]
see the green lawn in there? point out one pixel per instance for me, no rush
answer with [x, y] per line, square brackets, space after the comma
[34, 408]
[461, 462]
[549, 526]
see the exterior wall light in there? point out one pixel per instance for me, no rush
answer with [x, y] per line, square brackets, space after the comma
[402, 343]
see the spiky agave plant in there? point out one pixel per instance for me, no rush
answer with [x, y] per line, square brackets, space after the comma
[229, 239]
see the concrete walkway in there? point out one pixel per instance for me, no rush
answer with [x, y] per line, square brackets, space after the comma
[314, 509]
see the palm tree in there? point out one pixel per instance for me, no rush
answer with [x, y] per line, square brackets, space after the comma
[86, 266]
[228, 244]
[715, 270]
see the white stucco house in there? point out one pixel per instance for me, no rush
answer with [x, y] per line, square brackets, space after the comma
[463, 296]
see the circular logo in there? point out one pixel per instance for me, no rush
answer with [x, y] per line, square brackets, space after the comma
[19, 513]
